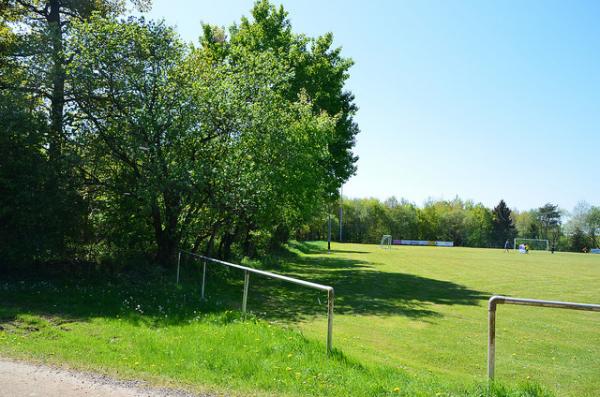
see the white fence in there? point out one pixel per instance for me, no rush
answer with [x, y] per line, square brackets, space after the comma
[497, 299]
[248, 270]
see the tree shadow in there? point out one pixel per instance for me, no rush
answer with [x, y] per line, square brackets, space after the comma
[314, 247]
[361, 288]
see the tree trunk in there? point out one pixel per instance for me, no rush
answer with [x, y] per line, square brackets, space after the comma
[57, 96]
[166, 236]
[211, 240]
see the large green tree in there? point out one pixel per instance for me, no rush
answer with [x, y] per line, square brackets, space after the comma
[318, 71]
[184, 144]
[41, 50]
[33, 37]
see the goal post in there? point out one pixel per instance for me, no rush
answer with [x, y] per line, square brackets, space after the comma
[386, 241]
[535, 244]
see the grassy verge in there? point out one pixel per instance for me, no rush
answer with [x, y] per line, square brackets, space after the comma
[145, 327]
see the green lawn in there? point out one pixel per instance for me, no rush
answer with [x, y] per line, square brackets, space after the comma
[409, 321]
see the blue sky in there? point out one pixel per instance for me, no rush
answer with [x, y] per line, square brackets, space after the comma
[484, 100]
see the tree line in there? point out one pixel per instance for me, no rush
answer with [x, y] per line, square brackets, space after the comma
[120, 141]
[463, 222]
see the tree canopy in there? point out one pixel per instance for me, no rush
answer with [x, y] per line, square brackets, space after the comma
[155, 145]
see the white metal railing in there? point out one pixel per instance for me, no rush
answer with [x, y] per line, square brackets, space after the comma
[248, 270]
[498, 299]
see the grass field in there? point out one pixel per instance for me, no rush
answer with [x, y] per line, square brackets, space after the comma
[409, 321]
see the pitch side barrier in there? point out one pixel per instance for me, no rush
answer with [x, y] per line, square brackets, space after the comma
[248, 270]
[424, 243]
[498, 299]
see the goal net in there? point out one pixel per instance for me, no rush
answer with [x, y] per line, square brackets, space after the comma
[386, 241]
[535, 244]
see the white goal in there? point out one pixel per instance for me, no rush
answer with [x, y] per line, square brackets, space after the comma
[536, 244]
[386, 241]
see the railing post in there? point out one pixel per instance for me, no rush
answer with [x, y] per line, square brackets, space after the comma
[248, 270]
[245, 297]
[203, 279]
[330, 297]
[178, 264]
[498, 299]
[491, 337]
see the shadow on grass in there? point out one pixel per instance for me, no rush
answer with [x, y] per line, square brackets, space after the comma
[360, 288]
[317, 248]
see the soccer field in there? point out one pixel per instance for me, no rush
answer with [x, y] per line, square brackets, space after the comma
[409, 321]
[424, 309]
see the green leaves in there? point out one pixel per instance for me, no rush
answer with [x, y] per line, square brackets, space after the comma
[173, 133]
[174, 145]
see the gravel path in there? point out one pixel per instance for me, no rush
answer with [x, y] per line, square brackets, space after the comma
[18, 379]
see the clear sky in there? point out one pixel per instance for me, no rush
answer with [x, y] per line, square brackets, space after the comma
[480, 99]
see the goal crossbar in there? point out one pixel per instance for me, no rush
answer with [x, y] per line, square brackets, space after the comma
[248, 270]
[386, 241]
[524, 240]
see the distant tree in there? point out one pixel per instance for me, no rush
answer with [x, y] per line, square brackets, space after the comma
[503, 227]
[479, 226]
[593, 223]
[549, 218]
[578, 240]
[526, 223]
[404, 220]
[391, 202]
[577, 218]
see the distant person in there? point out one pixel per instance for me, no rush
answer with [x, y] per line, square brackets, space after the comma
[584, 250]
[526, 248]
[506, 246]
[552, 248]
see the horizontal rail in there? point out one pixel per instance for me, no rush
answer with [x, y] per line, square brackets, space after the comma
[499, 299]
[247, 270]
[308, 284]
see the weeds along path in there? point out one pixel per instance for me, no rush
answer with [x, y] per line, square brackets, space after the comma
[18, 379]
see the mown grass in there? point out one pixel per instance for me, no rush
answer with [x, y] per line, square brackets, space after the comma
[424, 309]
[398, 330]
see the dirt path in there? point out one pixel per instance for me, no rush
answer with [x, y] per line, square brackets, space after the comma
[18, 379]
